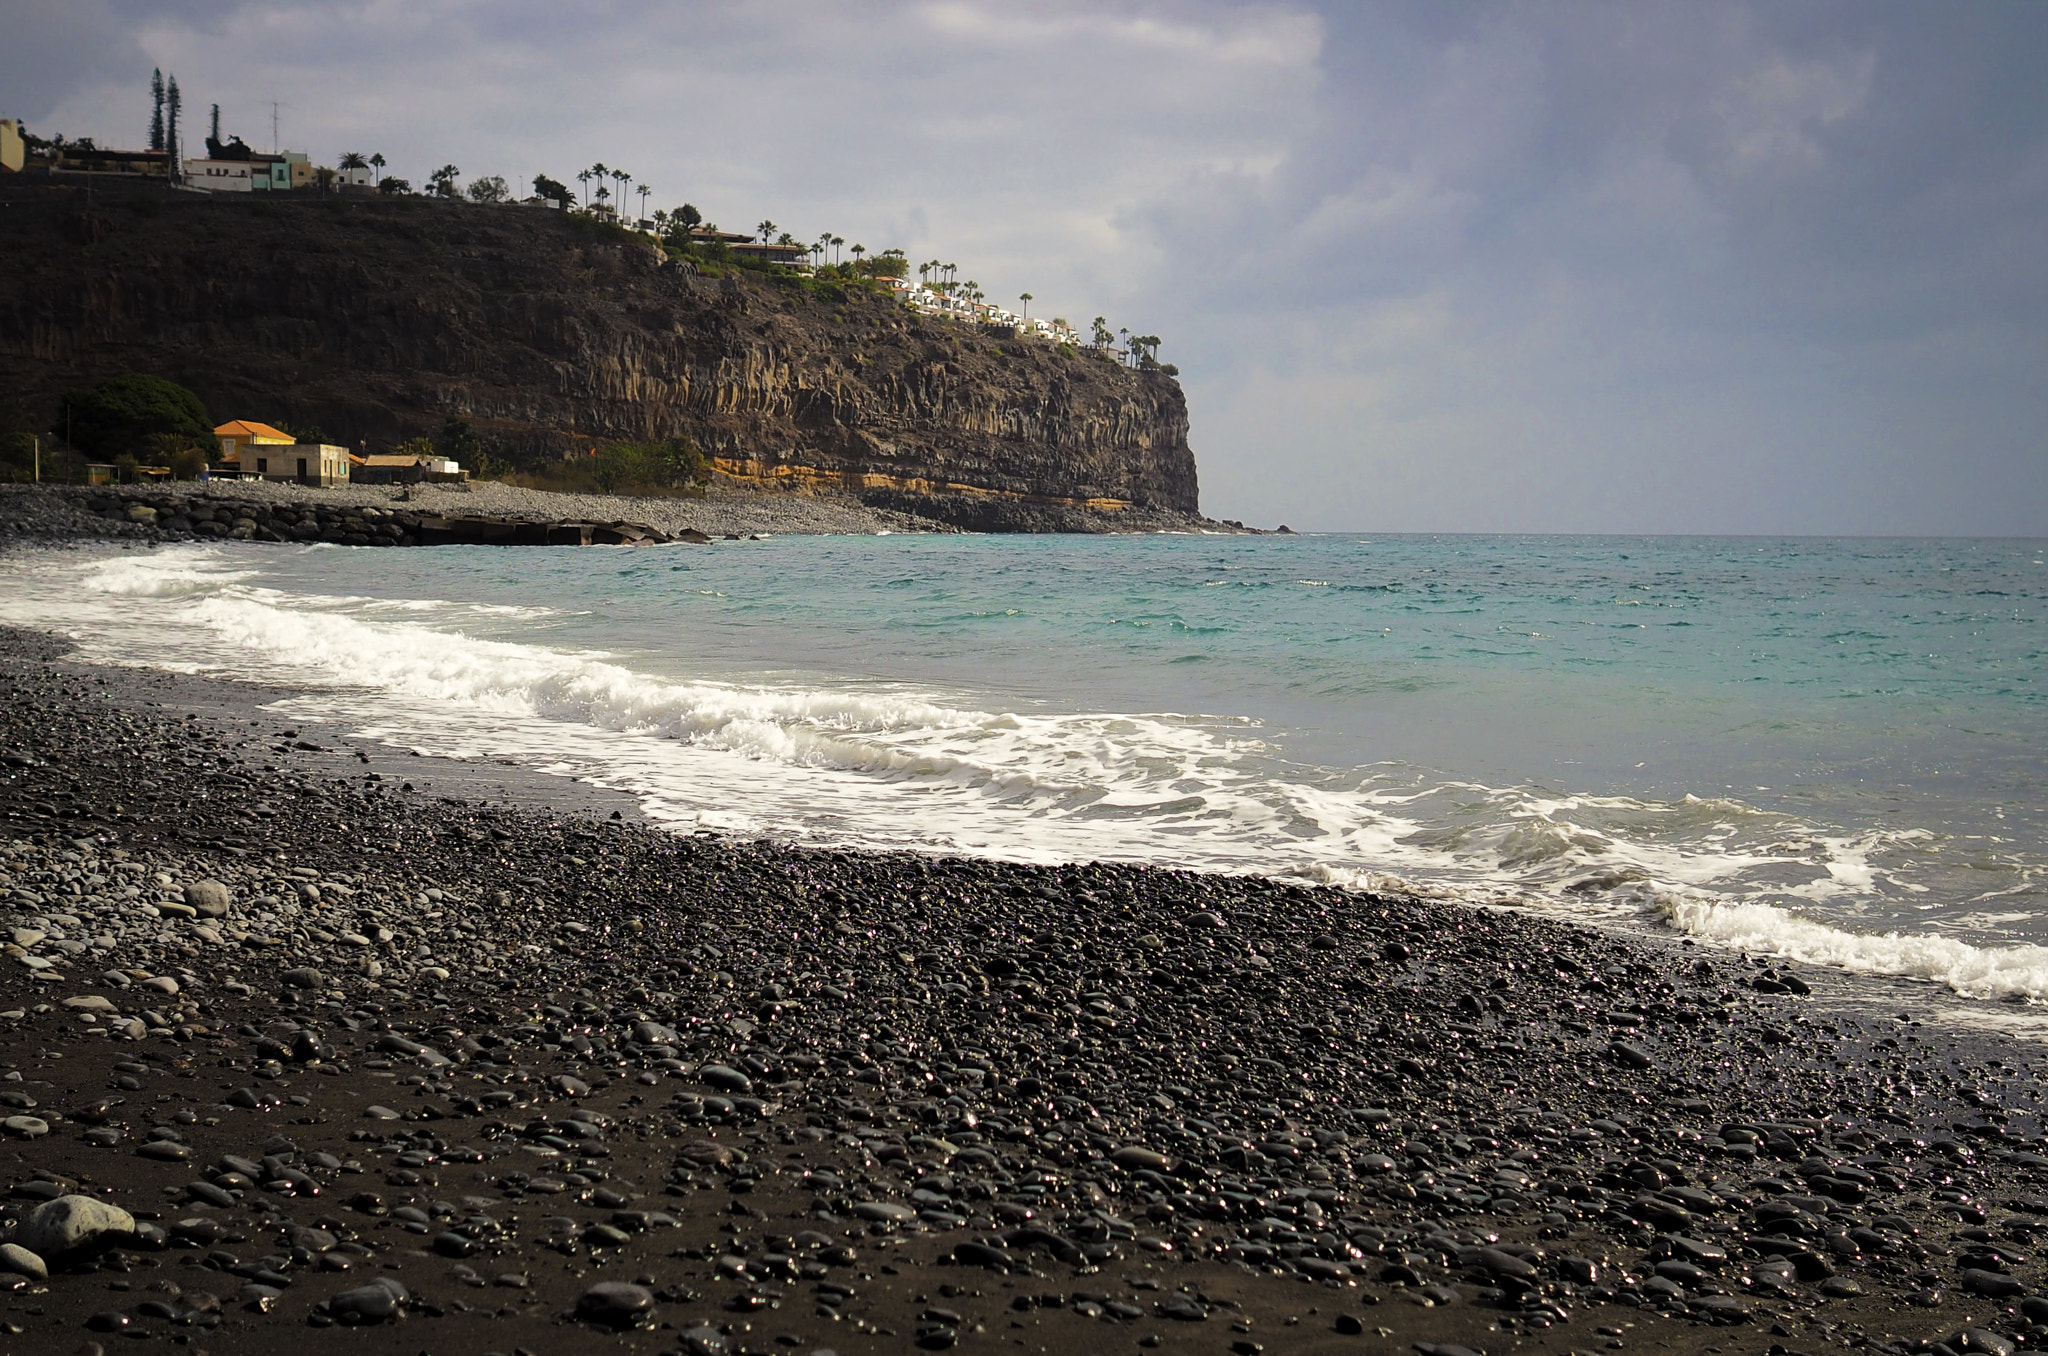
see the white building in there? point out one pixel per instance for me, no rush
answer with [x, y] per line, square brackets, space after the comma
[221, 176]
[299, 464]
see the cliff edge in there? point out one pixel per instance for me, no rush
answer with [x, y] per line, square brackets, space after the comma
[373, 320]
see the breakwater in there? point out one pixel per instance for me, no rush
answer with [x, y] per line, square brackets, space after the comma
[170, 516]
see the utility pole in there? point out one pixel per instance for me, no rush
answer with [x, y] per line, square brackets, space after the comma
[38, 442]
[273, 127]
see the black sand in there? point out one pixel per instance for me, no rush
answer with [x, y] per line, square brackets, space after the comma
[811, 1100]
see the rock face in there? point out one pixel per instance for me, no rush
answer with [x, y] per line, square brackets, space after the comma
[374, 320]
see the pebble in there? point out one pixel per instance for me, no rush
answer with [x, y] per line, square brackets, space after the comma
[22, 1262]
[725, 1079]
[1034, 1069]
[379, 1301]
[884, 1211]
[615, 1304]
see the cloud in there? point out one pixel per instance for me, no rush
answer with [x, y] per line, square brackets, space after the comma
[1695, 265]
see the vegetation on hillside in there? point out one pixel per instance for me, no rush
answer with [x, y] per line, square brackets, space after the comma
[669, 467]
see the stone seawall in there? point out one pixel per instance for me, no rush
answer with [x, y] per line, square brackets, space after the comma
[168, 517]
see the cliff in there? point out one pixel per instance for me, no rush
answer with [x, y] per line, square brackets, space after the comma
[373, 320]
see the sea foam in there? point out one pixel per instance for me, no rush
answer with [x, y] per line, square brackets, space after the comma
[892, 766]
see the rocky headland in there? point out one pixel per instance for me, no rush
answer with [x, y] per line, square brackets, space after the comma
[301, 1035]
[373, 320]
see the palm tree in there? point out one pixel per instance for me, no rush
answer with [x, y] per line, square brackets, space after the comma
[837, 241]
[824, 243]
[621, 178]
[857, 251]
[1025, 297]
[643, 191]
[598, 172]
[583, 177]
[603, 194]
[377, 163]
[767, 230]
[352, 160]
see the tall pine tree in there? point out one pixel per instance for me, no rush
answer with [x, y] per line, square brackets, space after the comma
[156, 117]
[174, 102]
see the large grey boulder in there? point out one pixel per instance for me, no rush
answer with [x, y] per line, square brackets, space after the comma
[209, 897]
[73, 1227]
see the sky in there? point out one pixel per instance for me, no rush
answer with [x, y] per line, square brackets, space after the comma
[1424, 265]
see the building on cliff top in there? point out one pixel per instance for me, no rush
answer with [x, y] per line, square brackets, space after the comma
[790, 256]
[251, 171]
[13, 150]
[72, 160]
[220, 176]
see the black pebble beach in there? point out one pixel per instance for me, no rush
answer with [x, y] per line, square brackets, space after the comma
[297, 1045]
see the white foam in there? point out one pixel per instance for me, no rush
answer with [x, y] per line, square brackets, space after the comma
[894, 766]
[1973, 971]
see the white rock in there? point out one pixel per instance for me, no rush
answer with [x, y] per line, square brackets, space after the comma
[74, 1226]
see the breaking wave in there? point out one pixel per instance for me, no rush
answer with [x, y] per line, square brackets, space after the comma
[890, 766]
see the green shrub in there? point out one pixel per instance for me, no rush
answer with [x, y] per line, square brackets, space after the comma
[121, 414]
[672, 466]
[17, 458]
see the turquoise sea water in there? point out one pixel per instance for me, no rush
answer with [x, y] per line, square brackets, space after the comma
[1831, 748]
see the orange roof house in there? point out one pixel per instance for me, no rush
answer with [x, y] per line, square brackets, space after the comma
[237, 434]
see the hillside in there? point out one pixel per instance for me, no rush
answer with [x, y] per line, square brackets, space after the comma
[372, 320]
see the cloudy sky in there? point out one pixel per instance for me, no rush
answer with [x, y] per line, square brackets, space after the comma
[1635, 265]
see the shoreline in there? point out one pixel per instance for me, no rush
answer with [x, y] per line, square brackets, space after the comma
[861, 1100]
[50, 512]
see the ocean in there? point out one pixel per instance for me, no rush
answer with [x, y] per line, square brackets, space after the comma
[1830, 750]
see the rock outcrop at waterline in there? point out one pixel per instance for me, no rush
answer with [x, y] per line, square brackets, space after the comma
[56, 514]
[373, 320]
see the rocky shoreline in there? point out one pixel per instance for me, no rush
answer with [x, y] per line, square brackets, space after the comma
[296, 1043]
[505, 515]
